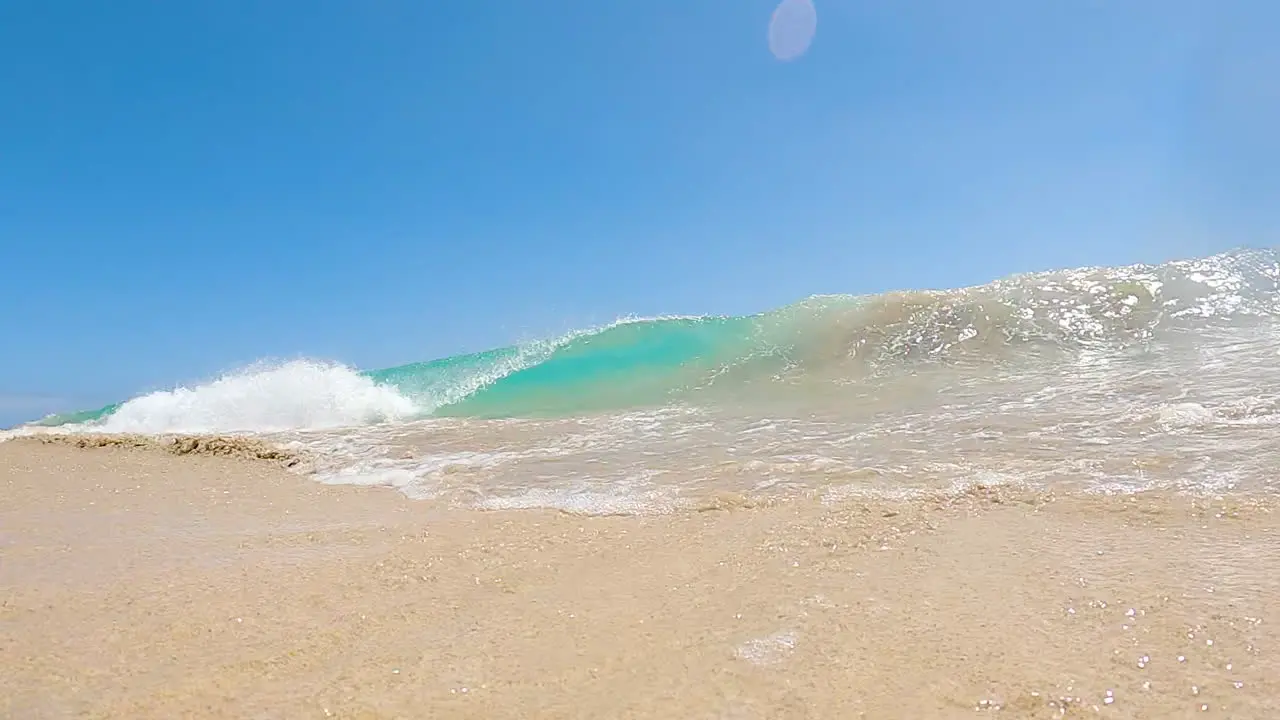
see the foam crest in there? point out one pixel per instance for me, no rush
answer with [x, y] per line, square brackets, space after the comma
[297, 395]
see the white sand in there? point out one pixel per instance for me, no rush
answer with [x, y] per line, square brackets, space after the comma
[137, 583]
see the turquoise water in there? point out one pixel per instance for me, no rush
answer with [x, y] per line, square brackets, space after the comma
[80, 416]
[631, 364]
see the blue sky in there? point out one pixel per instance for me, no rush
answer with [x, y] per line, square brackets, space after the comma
[187, 187]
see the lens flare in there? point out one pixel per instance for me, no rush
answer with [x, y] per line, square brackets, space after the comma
[791, 28]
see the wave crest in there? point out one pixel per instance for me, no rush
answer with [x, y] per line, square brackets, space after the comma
[1038, 318]
[296, 395]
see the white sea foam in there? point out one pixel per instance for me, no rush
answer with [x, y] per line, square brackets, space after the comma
[418, 478]
[1184, 415]
[301, 394]
[584, 502]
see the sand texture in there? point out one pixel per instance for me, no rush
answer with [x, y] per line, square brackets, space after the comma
[139, 580]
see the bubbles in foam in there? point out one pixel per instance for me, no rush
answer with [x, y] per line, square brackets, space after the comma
[295, 395]
[416, 477]
[1183, 415]
[583, 502]
[769, 650]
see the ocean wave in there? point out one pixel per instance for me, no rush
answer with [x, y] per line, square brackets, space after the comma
[296, 395]
[638, 363]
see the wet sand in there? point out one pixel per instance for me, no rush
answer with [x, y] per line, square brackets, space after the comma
[142, 583]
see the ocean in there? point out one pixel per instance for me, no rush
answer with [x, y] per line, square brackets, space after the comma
[1095, 380]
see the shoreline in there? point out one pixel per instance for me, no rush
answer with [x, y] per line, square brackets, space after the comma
[216, 583]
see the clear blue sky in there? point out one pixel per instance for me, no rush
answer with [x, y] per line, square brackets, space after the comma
[188, 186]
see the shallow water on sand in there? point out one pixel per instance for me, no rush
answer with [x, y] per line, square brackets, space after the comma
[1197, 416]
[141, 584]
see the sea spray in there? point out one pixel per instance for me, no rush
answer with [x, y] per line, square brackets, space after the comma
[295, 395]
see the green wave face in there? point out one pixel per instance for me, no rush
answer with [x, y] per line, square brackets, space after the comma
[78, 417]
[631, 364]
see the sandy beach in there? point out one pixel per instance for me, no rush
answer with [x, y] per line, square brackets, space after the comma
[140, 583]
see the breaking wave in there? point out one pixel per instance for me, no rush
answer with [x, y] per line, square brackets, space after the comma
[643, 363]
